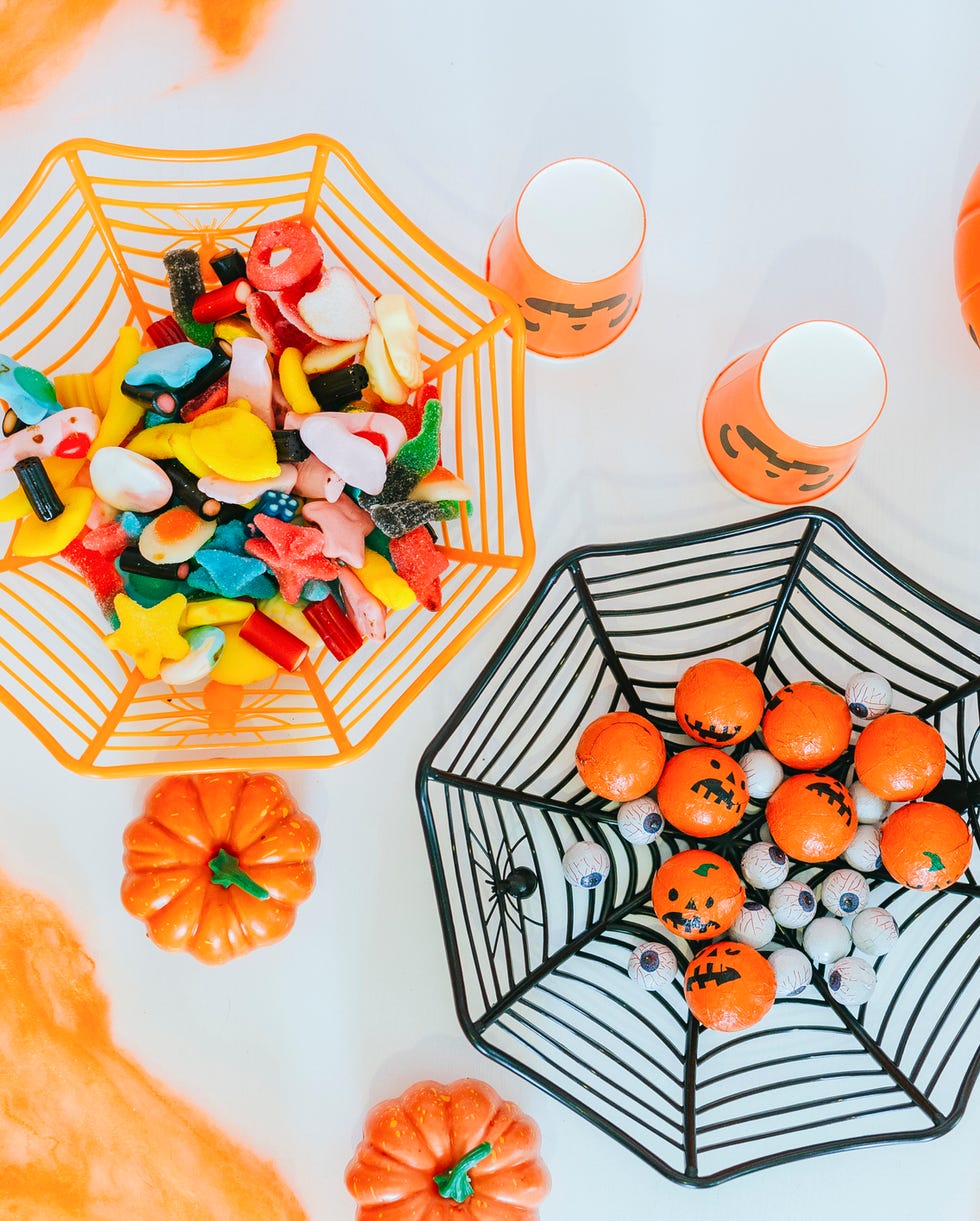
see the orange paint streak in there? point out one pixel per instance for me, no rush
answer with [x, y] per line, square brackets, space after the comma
[84, 1130]
[40, 38]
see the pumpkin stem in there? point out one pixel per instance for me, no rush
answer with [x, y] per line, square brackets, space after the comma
[227, 872]
[456, 1185]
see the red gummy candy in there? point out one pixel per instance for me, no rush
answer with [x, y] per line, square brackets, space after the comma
[278, 333]
[305, 256]
[293, 553]
[207, 400]
[99, 572]
[165, 332]
[109, 540]
[418, 561]
[410, 414]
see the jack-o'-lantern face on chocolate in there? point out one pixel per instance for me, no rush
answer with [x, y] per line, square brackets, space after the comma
[719, 701]
[808, 477]
[729, 986]
[556, 315]
[812, 818]
[697, 894]
[702, 792]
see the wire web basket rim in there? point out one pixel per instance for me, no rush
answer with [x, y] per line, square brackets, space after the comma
[531, 975]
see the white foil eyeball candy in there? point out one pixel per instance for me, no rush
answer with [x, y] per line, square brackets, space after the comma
[586, 865]
[851, 981]
[128, 481]
[652, 965]
[826, 939]
[640, 820]
[764, 866]
[874, 931]
[754, 925]
[868, 807]
[763, 774]
[868, 695]
[793, 904]
[792, 969]
[844, 892]
[864, 851]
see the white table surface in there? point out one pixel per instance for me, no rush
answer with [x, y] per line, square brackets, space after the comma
[797, 161]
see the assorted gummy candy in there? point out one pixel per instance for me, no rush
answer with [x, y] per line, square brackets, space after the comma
[261, 473]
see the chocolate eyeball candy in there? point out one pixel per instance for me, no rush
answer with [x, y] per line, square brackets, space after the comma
[844, 892]
[765, 866]
[869, 807]
[852, 981]
[763, 774]
[864, 851]
[792, 969]
[754, 925]
[826, 939]
[874, 931]
[868, 696]
[652, 965]
[640, 820]
[586, 865]
[793, 904]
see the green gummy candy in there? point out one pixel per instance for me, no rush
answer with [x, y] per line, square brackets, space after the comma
[421, 453]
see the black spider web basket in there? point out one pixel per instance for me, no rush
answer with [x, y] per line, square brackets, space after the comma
[539, 970]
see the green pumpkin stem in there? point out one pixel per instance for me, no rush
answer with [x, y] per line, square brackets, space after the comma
[456, 1185]
[227, 872]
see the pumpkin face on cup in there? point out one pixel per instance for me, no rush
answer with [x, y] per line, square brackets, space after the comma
[729, 986]
[697, 894]
[926, 845]
[702, 792]
[812, 818]
[806, 726]
[719, 702]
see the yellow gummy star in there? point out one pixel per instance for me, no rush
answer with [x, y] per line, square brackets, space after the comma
[149, 634]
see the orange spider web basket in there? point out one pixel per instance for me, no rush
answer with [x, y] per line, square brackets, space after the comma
[80, 256]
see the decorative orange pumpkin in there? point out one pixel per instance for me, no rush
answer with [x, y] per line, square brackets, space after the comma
[719, 702]
[620, 756]
[217, 863]
[926, 845]
[812, 818]
[807, 726]
[900, 758]
[447, 1153]
[702, 792]
[966, 256]
[729, 986]
[697, 894]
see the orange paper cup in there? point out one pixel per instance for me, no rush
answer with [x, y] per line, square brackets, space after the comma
[570, 253]
[784, 423]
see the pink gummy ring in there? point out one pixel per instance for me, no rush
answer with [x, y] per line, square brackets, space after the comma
[305, 256]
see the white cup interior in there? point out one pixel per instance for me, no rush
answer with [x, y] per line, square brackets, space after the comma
[580, 220]
[822, 383]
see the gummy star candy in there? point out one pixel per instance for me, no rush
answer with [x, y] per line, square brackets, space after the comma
[149, 634]
[419, 561]
[294, 553]
[344, 526]
[230, 575]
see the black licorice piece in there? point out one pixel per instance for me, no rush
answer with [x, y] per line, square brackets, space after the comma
[39, 489]
[339, 387]
[133, 560]
[290, 446]
[229, 267]
[186, 492]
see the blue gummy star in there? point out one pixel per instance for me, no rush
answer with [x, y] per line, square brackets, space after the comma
[231, 576]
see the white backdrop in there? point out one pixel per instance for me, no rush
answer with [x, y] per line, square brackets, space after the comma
[796, 162]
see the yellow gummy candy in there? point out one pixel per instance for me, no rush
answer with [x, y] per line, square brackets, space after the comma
[156, 442]
[184, 451]
[290, 617]
[294, 385]
[379, 578]
[232, 329]
[149, 634]
[240, 663]
[215, 612]
[235, 444]
[35, 537]
[77, 390]
[122, 413]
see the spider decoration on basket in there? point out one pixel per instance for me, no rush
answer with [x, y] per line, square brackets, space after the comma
[510, 884]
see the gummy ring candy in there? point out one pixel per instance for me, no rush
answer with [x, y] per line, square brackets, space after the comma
[304, 259]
